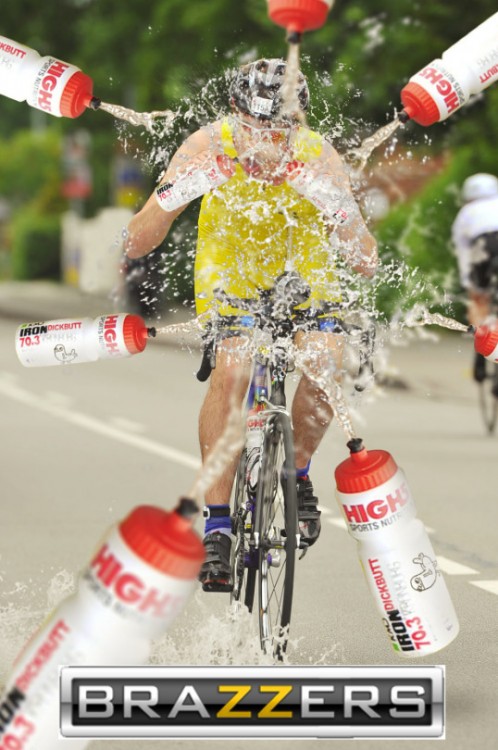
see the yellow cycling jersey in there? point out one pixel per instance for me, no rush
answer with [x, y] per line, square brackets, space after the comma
[251, 231]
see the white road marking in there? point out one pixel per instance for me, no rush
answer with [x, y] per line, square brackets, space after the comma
[491, 586]
[59, 399]
[127, 424]
[453, 568]
[13, 391]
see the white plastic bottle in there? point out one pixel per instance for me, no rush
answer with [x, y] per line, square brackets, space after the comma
[65, 342]
[254, 442]
[395, 552]
[215, 171]
[299, 15]
[320, 190]
[45, 83]
[133, 589]
[446, 84]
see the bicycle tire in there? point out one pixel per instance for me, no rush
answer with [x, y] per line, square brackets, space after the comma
[244, 575]
[487, 400]
[276, 521]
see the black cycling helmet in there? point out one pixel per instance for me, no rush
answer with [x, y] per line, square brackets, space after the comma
[256, 90]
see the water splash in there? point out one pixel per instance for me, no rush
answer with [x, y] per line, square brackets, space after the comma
[358, 157]
[325, 378]
[290, 88]
[227, 637]
[146, 119]
[22, 610]
[420, 316]
[195, 326]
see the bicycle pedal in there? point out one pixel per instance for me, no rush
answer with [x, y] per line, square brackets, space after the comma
[304, 547]
[217, 585]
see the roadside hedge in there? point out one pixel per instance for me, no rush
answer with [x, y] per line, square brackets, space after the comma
[35, 246]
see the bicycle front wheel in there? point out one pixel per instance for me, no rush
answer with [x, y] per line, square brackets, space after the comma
[244, 557]
[276, 521]
[487, 399]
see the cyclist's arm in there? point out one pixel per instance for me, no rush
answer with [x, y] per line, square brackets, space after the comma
[352, 237]
[148, 228]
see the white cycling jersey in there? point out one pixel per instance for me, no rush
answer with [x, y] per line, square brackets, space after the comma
[474, 219]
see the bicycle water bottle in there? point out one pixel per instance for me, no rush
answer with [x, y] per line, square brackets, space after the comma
[299, 15]
[45, 83]
[319, 190]
[135, 586]
[254, 442]
[213, 173]
[446, 84]
[486, 341]
[65, 342]
[395, 552]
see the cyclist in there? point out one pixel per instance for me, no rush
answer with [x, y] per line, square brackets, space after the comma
[475, 239]
[250, 229]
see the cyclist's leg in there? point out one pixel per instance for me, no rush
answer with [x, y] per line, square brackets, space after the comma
[311, 410]
[311, 415]
[229, 380]
[228, 384]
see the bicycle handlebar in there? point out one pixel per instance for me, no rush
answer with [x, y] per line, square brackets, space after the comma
[273, 311]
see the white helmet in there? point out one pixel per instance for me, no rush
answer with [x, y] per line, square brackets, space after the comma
[479, 186]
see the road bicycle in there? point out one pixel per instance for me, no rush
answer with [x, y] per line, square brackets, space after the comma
[264, 516]
[486, 372]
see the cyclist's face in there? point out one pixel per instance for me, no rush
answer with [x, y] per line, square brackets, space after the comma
[263, 147]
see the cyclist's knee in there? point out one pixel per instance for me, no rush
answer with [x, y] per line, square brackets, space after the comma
[231, 374]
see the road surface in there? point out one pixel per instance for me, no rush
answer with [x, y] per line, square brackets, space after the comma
[83, 445]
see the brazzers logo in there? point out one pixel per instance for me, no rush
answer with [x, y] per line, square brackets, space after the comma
[254, 702]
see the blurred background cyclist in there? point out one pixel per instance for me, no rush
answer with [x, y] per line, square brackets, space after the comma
[475, 239]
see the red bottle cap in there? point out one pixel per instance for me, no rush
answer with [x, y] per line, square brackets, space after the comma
[135, 333]
[77, 95]
[364, 470]
[165, 540]
[485, 340]
[419, 104]
[298, 15]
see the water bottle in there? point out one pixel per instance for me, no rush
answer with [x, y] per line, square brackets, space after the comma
[254, 442]
[320, 190]
[299, 15]
[486, 341]
[212, 173]
[134, 587]
[45, 83]
[66, 342]
[395, 552]
[445, 85]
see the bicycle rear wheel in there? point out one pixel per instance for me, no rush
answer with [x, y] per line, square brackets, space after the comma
[487, 400]
[276, 521]
[244, 556]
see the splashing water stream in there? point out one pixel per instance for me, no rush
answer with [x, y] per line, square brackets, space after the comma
[420, 316]
[358, 157]
[147, 119]
[290, 88]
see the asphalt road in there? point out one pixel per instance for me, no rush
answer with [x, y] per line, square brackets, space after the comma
[83, 445]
